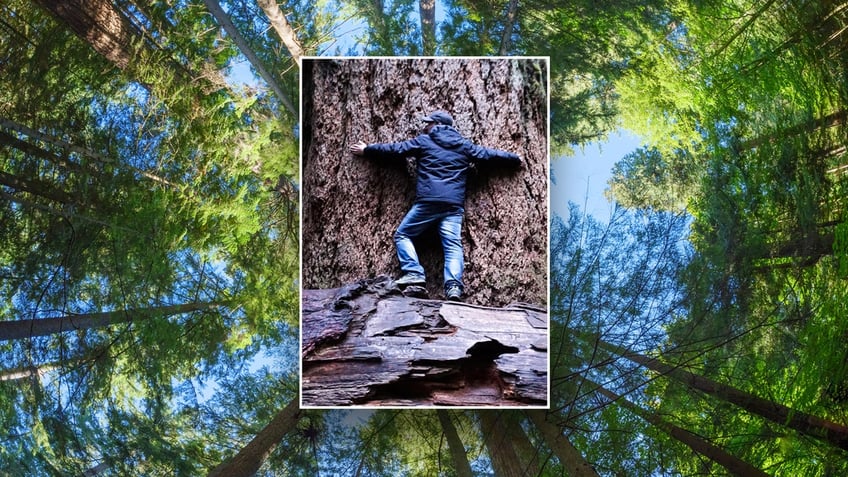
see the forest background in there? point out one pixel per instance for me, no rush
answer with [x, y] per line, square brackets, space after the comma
[149, 230]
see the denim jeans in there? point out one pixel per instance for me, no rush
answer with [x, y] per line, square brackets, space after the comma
[448, 217]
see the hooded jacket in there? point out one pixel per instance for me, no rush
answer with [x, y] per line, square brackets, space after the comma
[442, 160]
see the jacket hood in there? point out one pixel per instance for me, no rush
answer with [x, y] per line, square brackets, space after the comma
[446, 136]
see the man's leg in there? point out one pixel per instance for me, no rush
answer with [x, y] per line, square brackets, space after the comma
[413, 224]
[450, 230]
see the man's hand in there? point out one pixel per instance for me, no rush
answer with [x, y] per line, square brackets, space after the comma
[358, 149]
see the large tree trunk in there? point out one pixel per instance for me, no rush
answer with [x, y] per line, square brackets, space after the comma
[457, 449]
[733, 464]
[250, 457]
[352, 206]
[572, 461]
[99, 23]
[808, 424]
[19, 329]
[527, 453]
[499, 445]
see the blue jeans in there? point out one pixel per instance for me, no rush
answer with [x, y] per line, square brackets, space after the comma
[448, 217]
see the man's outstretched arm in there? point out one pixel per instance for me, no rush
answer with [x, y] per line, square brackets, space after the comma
[480, 153]
[388, 150]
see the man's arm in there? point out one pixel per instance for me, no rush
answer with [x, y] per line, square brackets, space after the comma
[358, 148]
[389, 150]
[480, 153]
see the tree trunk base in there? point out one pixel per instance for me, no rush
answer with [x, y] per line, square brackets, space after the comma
[367, 344]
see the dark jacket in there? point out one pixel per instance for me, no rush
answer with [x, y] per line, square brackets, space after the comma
[442, 157]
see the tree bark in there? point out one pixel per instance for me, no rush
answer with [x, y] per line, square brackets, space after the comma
[573, 462]
[224, 20]
[733, 464]
[352, 206]
[99, 24]
[25, 372]
[368, 344]
[250, 457]
[455, 445]
[19, 329]
[802, 422]
[283, 28]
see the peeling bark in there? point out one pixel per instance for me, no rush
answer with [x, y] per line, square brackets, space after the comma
[368, 344]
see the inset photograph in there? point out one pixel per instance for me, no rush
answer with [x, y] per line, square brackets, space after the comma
[425, 229]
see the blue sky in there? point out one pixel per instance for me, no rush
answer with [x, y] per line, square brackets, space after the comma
[582, 178]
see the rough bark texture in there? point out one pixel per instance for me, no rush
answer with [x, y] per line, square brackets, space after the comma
[352, 206]
[368, 344]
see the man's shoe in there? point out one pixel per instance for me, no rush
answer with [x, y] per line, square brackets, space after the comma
[453, 293]
[410, 279]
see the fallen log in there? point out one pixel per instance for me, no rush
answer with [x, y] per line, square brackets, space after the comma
[370, 344]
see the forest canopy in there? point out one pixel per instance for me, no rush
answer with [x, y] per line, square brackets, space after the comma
[149, 240]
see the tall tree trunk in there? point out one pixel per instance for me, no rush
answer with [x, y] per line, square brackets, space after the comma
[427, 12]
[248, 460]
[455, 445]
[283, 28]
[528, 454]
[38, 188]
[34, 150]
[99, 23]
[19, 329]
[499, 444]
[23, 373]
[835, 119]
[733, 464]
[752, 18]
[808, 424]
[572, 461]
[509, 25]
[352, 206]
[224, 20]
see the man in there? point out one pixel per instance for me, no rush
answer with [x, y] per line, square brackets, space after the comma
[443, 157]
